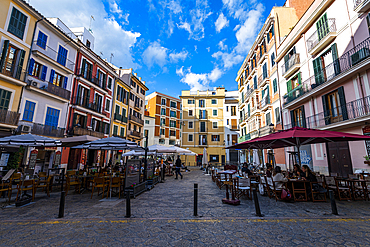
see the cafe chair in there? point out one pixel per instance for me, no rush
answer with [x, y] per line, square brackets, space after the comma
[99, 183]
[276, 189]
[6, 186]
[71, 173]
[116, 183]
[270, 187]
[299, 193]
[43, 179]
[243, 187]
[367, 187]
[318, 191]
[44, 185]
[359, 189]
[262, 182]
[28, 185]
[343, 189]
[72, 180]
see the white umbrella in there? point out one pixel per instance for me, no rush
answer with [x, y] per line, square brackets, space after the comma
[256, 159]
[161, 149]
[205, 157]
[181, 150]
[136, 153]
[29, 140]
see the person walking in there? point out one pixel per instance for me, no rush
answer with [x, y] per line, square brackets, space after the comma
[178, 167]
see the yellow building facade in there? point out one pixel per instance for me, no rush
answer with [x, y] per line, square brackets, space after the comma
[17, 24]
[203, 125]
[120, 109]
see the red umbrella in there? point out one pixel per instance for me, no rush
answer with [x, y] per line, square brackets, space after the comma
[297, 136]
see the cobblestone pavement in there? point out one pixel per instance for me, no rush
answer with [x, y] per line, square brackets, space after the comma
[163, 216]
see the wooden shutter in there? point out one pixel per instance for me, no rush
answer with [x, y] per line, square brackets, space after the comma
[299, 78]
[317, 68]
[334, 53]
[4, 54]
[326, 109]
[293, 121]
[343, 104]
[83, 67]
[303, 117]
[20, 64]
[289, 85]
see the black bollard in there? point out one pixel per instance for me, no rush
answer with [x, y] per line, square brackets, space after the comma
[128, 204]
[162, 174]
[62, 198]
[256, 204]
[334, 209]
[195, 199]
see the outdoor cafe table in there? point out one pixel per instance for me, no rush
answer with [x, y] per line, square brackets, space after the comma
[228, 182]
[360, 183]
[302, 188]
[84, 181]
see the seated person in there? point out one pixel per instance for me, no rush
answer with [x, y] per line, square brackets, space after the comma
[279, 178]
[297, 172]
[246, 170]
[268, 170]
[307, 174]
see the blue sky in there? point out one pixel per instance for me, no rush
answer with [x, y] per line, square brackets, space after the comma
[173, 45]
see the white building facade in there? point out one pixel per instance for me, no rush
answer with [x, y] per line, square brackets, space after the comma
[231, 125]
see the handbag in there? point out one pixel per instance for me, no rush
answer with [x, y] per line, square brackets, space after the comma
[285, 194]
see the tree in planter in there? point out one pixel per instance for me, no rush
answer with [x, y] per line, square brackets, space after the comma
[15, 159]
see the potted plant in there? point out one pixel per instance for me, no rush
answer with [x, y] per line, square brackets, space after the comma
[367, 160]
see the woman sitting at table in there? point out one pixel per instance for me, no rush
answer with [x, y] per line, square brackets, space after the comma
[307, 174]
[268, 170]
[297, 172]
[279, 178]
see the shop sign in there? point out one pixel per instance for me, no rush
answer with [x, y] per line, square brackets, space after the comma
[33, 158]
[50, 148]
[57, 158]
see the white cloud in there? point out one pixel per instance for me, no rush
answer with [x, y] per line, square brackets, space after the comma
[185, 26]
[77, 13]
[221, 22]
[228, 59]
[199, 81]
[155, 54]
[174, 6]
[222, 44]
[175, 57]
[115, 8]
[208, 49]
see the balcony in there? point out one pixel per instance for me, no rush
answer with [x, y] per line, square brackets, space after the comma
[361, 6]
[135, 133]
[50, 54]
[80, 132]
[234, 127]
[322, 37]
[9, 117]
[99, 82]
[83, 102]
[44, 130]
[13, 73]
[203, 141]
[291, 66]
[357, 111]
[328, 74]
[50, 88]
[136, 119]
[117, 117]
[262, 79]
[244, 138]
[242, 101]
[264, 102]
[172, 137]
[87, 75]
[124, 119]
[265, 130]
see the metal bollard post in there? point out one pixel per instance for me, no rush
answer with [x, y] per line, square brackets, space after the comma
[256, 204]
[195, 199]
[334, 209]
[62, 198]
[128, 204]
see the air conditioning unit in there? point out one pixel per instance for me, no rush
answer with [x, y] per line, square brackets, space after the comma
[25, 128]
[33, 83]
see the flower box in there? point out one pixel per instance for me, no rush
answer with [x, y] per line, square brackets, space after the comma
[136, 190]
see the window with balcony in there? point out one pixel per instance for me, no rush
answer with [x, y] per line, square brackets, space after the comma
[163, 111]
[368, 22]
[190, 137]
[322, 26]
[172, 123]
[201, 103]
[327, 65]
[11, 60]
[298, 117]
[202, 139]
[255, 82]
[52, 117]
[29, 109]
[101, 77]
[274, 86]
[214, 101]
[58, 79]
[98, 101]
[115, 130]
[190, 125]
[294, 82]
[107, 105]
[122, 132]
[35, 69]
[173, 104]
[268, 119]
[124, 112]
[86, 70]
[163, 102]
[264, 71]
[334, 105]
[202, 126]
[191, 101]
[79, 120]
[41, 40]
[117, 109]
[17, 23]
[190, 113]
[62, 55]
[270, 34]
[162, 132]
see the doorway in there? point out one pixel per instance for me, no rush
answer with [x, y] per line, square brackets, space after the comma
[199, 159]
[339, 158]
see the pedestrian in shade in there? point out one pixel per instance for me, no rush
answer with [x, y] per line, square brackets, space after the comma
[178, 167]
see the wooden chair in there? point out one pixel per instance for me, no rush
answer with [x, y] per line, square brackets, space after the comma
[276, 189]
[243, 187]
[367, 187]
[72, 180]
[71, 173]
[43, 179]
[343, 189]
[28, 185]
[318, 196]
[359, 190]
[299, 193]
[116, 183]
[99, 183]
[330, 184]
[6, 186]
[45, 185]
[262, 184]
[270, 187]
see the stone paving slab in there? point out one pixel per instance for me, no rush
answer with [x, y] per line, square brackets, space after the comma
[163, 216]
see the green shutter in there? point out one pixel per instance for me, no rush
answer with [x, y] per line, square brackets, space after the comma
[326, 109]
[289, 85]
[299, 78]
[4, 54]
[303, 117]
[334, 53]
[322, 27]
[317, 68]
[293, 121]
[343, 104]
[20, 64]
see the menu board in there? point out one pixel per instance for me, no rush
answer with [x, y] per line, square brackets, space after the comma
[33, 159]
[57, 158]
[4, 159]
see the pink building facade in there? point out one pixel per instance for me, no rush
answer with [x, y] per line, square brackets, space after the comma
[324, 74]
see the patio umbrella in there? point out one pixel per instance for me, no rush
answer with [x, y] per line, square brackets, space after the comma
[205, 157]
[28, 140]
[256, 159]
[161, 149]
[297, 137]
[137, 153]
[77, 140]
